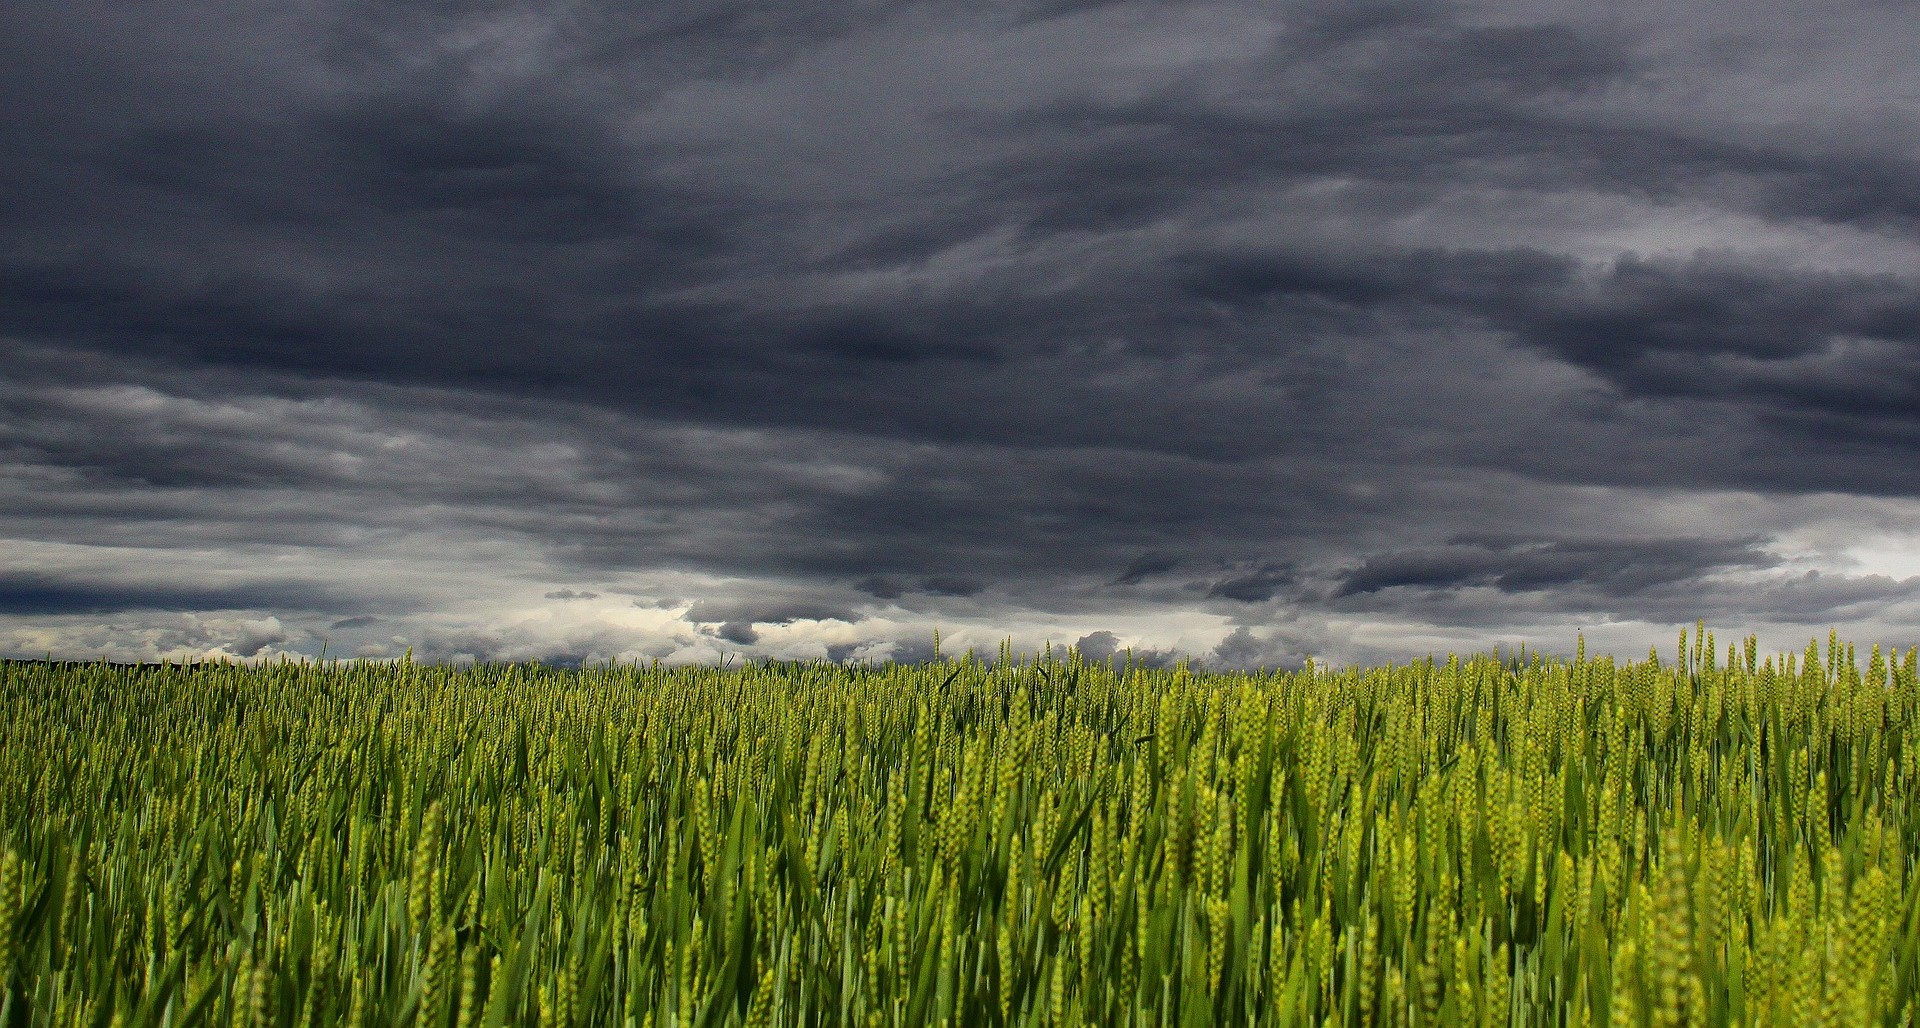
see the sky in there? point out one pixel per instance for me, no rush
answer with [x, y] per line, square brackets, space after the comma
[1241, 332]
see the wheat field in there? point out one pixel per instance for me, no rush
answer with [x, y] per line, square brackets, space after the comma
[1705, 838]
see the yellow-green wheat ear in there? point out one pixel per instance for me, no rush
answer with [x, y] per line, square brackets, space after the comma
[422, 903]
[10, 885]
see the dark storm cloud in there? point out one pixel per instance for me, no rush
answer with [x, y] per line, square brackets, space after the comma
[1404, 100]
[1815, 599]
[881, 588]
[741, 632]
[930, 310]
[952, 585]
[1047, 512]
[1821, 356]
[1617, 319]
[1418, 102]
[1103, 646]
[1618, 568]
[520, 242]
[1256, 586]
[43, 594]
[1146, 566]
[1098, 646]
[1806, 599]
[1243, 649]
[1874, 191]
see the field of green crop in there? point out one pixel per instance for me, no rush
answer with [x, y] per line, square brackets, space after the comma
[1701, 839]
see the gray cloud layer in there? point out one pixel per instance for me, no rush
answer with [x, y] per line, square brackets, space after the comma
[1241, 330]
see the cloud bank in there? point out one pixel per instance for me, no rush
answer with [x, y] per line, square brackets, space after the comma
[1236, 331]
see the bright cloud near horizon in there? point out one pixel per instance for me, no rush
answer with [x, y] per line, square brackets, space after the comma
[1240, 331]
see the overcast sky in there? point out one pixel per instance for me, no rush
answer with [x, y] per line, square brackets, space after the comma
[593, 330]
